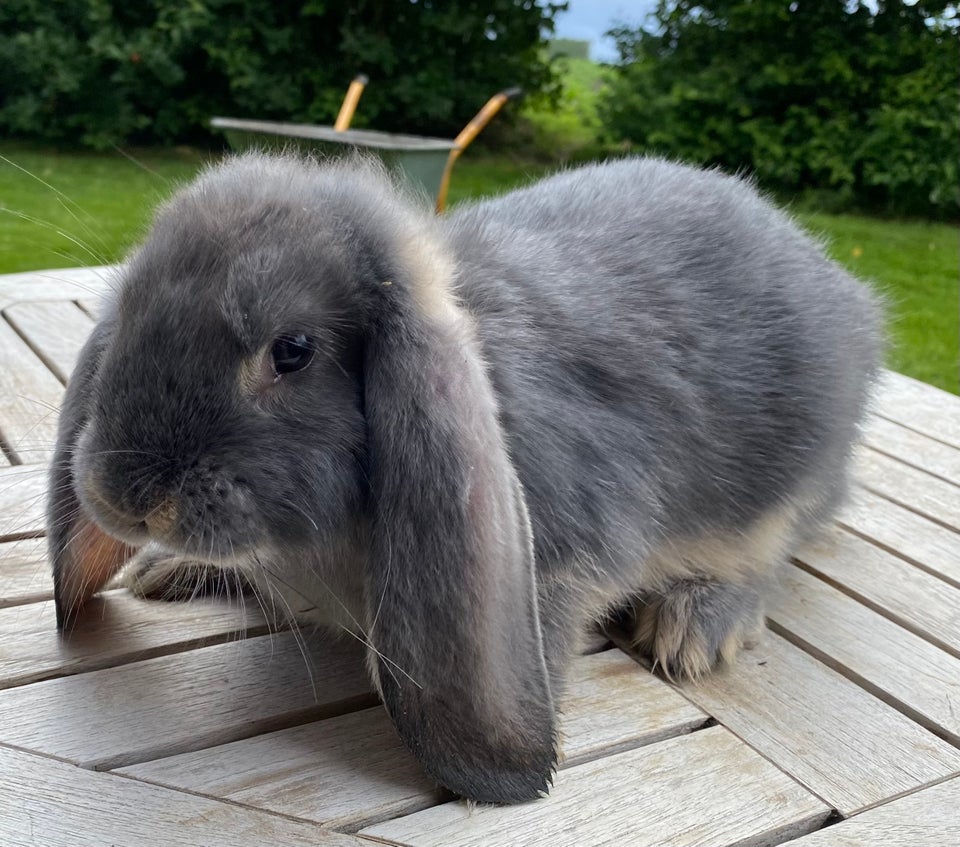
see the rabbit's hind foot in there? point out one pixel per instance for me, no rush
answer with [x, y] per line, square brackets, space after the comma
[696, 624]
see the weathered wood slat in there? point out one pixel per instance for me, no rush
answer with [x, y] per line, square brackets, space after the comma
[30, 398]
[56, 284]
[919, 406]
[846, 746]
[344, 772]
[912, 488]
[928, 818]
[351, 770]
[23, 501]
[609, 706]
[899, 667]
[48, 803]
[186, 701]
[905, 594]
[24, 572]
[56, 331]
[115, 628]
[703, 788]
[915, 449]
[920, 541]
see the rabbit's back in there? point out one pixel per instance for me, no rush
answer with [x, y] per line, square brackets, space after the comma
[669, 350]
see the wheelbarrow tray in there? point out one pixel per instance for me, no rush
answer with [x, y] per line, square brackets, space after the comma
[419, 159]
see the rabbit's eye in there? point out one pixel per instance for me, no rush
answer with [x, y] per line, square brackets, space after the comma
[291, 353]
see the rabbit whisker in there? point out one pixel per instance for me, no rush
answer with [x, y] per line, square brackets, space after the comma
[365, 639]
[130, 158]
[62, 198]
[294, 627]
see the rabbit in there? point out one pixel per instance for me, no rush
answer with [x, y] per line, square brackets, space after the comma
[634, 385]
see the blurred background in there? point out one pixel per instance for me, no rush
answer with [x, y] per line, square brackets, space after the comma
[846, 112]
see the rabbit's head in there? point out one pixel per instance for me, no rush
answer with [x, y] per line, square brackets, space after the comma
[285, 361]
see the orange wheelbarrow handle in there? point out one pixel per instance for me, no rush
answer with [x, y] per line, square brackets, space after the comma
[350, 100]
[468, 133]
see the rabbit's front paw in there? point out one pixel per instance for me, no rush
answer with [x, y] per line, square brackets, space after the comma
[157, 575]
[695, 624]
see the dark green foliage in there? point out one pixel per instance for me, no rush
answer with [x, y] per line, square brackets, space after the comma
[101, 72]
[857, 104]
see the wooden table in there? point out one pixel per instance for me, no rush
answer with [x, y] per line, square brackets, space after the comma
[166, 724]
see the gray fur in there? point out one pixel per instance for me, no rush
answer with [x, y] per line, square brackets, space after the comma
[514, 414]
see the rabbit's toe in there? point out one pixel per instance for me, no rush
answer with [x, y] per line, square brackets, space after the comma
[157, 575]
[696, 624]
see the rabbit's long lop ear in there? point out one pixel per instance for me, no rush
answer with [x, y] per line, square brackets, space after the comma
[450, 584]
[84, 556]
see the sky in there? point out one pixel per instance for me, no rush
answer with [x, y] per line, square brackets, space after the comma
[588, 20]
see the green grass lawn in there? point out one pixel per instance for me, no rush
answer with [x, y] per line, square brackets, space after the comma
[917, 267]
[80, 208]
[91, 208]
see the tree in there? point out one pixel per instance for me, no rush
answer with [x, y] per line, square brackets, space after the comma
[99, 72]
[857, 99]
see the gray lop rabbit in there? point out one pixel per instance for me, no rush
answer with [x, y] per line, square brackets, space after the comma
[632, 385]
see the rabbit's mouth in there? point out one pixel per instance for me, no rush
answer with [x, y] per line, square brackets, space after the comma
[174, 526]
[113, 521]
[203, 510]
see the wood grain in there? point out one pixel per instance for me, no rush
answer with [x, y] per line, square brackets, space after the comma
[909, 446]
[919, 406]
[57, 284]
[907, 595]
[24, 572]
[921, 542]
[115, 628]
[53, 804]
[928, 818]
[915, 489]
[186, 701]
[55, 330]
[23, 501]
[899, 667]
[697, 789]
[610, 706]
[846, 746]
[345, 772]
[352, 770]
[30, 398]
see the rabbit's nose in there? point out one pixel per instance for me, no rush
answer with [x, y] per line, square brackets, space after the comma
[162, 520]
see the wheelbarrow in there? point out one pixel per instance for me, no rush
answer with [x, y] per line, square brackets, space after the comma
[424, 162]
